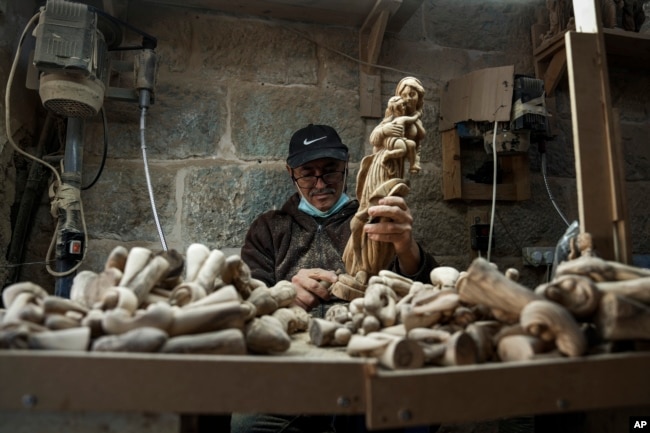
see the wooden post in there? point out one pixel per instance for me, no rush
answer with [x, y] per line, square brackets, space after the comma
[598, 156]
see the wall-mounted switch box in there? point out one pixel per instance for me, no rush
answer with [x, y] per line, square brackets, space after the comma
[538, 256]
[480, 236]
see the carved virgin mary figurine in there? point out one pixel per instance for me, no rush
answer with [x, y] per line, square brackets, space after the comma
[396, 139]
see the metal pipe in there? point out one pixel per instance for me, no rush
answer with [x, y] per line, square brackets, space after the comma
[70, 237]
[34, 188]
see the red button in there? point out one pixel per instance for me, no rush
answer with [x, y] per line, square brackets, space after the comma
[75, 247]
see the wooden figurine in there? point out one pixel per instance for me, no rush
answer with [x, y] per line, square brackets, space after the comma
[394, 140]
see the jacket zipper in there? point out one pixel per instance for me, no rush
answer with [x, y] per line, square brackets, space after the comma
[319, 231]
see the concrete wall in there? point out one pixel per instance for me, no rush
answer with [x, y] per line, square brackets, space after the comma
[231, 90]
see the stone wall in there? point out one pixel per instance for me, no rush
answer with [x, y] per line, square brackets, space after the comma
[231, 90]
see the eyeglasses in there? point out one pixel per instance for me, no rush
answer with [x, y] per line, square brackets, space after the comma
[330, 178]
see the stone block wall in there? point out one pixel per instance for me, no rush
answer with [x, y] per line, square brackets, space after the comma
[232, 89]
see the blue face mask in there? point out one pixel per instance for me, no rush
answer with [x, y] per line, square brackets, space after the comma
[309, 209]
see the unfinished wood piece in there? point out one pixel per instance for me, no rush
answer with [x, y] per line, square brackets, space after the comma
[60, 321]
[444, 277]
[76, 339]
[223, 294]
[117, 297]
[266, 335]
[380, 301]
[483, 332]
[211, 270]
[552, 322]
[521, 347]
[186, 293]
[577, 293]
[483, 284]
[237, 273]
[339, 313]
[392, 352]
[146, 279]
[16, 311]
[222, 342]
[136, 260]
[637, 289]
[621, 318]
[207, 318]
[349, 287]
[89, 287]
[145, 339]
[512, 274]
[323, 333]
[119, 321]
[400, 284]
[427, 308]
[599, 269]
[369, 324]
[195, 255]
[443, 301]
[457, 348]
[173, 275]
[32, 313]
[10, 293]
[460, 349]
[263, 300]
[117, 258]
[291, 321]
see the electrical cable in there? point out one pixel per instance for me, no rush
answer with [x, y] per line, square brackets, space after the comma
[148, 177]
[354, 59]
[105, 152]
[10, 80]
[494, 183]
[550, 194]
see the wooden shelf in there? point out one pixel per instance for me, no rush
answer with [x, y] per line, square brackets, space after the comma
[516, 174]
[327, 382]
[622, 48]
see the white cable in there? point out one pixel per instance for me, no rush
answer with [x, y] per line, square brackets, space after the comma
[494, 188]
[548, 190]
[8, 99]
[146, 172]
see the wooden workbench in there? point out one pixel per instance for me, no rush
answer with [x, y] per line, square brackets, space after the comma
[307, 379]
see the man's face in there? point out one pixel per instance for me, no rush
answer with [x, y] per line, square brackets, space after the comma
[318, 193]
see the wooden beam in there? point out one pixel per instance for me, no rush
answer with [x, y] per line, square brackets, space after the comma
[555, 72]
[599, 175]
[371, 36]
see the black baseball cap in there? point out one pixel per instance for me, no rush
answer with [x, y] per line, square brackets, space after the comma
[314, 142]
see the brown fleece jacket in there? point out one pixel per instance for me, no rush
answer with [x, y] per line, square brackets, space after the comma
[281, 242]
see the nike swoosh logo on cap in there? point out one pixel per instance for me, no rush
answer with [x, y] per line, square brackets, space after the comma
[308, 142]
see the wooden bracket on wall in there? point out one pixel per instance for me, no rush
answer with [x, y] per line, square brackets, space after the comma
[371, 36]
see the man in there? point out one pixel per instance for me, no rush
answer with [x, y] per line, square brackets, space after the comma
[304, 241]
